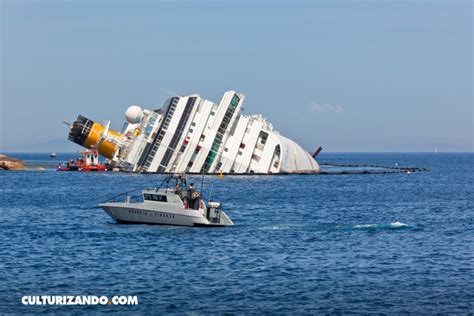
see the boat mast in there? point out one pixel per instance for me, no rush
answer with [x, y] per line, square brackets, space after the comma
[202, 182]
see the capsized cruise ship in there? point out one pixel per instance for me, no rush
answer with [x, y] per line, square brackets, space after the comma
[194, 135]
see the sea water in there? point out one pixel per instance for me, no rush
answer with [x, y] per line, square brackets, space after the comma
[306, 244]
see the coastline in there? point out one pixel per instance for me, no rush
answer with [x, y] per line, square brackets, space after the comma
[9, 163]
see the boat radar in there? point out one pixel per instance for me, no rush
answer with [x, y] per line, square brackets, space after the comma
[134, 114]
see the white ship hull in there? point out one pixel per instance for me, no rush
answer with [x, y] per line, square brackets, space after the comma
[193, 135]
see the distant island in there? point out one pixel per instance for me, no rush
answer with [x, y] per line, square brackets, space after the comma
[8, 163]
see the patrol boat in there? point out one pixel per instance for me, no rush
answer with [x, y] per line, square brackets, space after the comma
[167, 206]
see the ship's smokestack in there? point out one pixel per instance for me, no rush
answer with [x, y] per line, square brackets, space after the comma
[92, 135]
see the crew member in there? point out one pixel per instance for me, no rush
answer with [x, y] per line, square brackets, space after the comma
[195, 199]
[178, 190]
[191, 189]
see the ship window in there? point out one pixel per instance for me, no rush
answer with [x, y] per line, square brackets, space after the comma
[242, 145]
[213, 113]
[155, 197]
[193, 124]
[226, 149]
[159, 198]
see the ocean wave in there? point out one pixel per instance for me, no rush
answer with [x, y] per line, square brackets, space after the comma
[394, 225]
[277, 226]
[365, 226]
[336, 227]
[398, 224]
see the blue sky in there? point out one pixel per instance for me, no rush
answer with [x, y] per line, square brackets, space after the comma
[346, 75]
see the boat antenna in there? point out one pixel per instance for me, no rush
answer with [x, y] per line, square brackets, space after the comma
[168, 178]
[202, 182]
[210, 194]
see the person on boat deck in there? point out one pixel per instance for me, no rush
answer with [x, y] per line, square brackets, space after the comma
[194, 204]
[193, 197]
[178, 190]
[191, 189]
[183, 195]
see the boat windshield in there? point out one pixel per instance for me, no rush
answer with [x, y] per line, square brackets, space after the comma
[155, 197]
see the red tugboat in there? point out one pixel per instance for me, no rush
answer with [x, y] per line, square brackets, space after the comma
[90, 162]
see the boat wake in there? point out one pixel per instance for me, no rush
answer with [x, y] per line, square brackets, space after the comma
[279, 227]
[335, 227]
[394, 225]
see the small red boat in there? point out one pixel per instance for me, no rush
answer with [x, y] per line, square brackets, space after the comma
[68, 166]
[90, 162]
[99, 167]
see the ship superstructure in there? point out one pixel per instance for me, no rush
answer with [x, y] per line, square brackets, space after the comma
[195, 135]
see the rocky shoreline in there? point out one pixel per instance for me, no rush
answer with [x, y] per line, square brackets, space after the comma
[8, 163]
